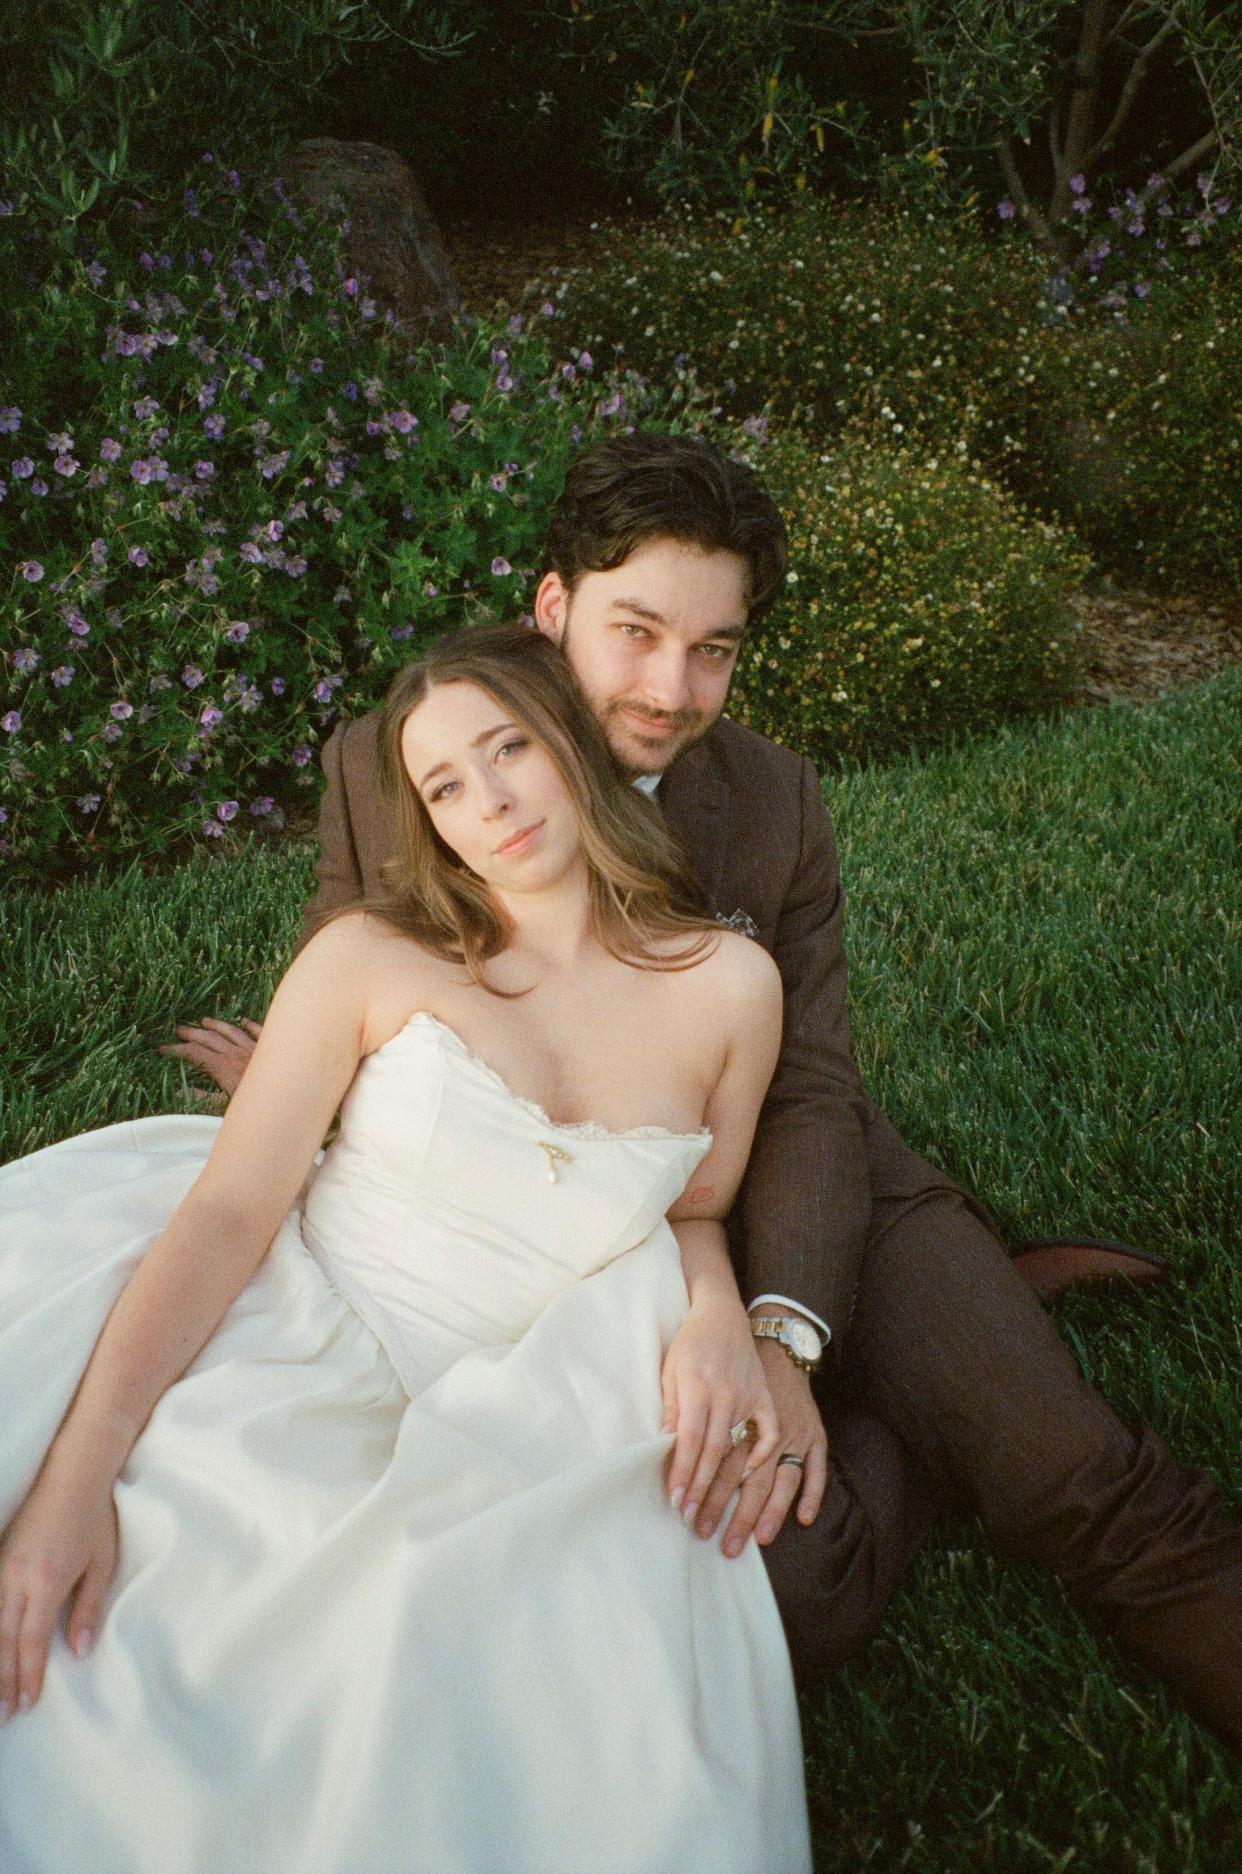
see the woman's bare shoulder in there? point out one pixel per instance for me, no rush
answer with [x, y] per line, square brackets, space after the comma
[741, 972]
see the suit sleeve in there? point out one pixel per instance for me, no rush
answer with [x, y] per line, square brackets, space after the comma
[806, 1201]
[338, 872]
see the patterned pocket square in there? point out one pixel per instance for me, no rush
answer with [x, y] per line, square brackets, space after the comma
[740, 921]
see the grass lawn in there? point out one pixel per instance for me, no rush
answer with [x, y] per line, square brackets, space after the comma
[1044, 930]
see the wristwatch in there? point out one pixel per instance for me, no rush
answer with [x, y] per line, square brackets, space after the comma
[799, 1339]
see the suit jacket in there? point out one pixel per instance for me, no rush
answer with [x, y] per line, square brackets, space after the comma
[752, 818]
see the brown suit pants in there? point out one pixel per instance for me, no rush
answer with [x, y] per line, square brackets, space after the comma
[957, 1393]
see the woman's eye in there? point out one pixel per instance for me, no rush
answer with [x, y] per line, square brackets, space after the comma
[507, 748]
[441, 792]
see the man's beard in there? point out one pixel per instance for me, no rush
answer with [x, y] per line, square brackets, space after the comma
[688, 727]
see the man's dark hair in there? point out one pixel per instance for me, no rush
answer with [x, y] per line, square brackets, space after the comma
[650, 486]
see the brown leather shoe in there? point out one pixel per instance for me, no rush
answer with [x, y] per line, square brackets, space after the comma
[1051, 1264]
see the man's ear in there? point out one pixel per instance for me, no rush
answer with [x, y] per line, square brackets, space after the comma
[551, 606]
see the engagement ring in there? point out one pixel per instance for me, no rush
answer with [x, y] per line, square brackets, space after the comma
[740, 1432]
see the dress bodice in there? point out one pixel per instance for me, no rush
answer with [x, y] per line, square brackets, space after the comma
[447, 1198]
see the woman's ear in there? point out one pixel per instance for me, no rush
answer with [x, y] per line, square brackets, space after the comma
[551, 606]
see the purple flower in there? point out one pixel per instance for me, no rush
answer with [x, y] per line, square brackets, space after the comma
[1082, 205]
[1078, 184]
[77, 624]
[1005, 209]
[12, 722]
[31, 571]
[120, 712]
[251, 552]
[25, 659]
[505, 382]
[548, 309]
[23, 468]
[271, 465]
[401, 631]
[145, 407]
[99, 552]
[204, 471]
[586, 361]
[350, 287]
[262, 805]
[277, 686]
[62, 676]
[227, 810]
[238, 633]
[501, 567]
[209, 717]
[38, 486]
[138, 556]
[10, 420]
[322, 691]
[500, 483]
[66, 465]
[295, 566]
[109, 450]
[1141, 289]
[1135, 225]
[403, 422]
[351, 390]
[142, 471]
[191, 676]
[60, 443]
[88, 803]
[214, 426]
[111, 732]
[274, 530]
[300, 755]
[458, 412]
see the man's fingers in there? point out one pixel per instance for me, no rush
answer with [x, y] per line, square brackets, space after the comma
[252, 1028]
[785, 1486]
[815, 1482]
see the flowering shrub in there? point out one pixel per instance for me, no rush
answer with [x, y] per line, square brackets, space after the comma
[920, 602]
[1104, 405]
[233, 500]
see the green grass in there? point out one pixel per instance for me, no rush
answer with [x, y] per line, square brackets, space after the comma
[1044, 932]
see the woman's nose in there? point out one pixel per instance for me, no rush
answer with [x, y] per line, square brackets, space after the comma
[494, 797]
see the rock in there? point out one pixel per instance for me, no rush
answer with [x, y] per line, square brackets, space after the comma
[392, 236]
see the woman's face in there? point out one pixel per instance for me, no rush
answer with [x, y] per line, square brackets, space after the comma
[493, 794]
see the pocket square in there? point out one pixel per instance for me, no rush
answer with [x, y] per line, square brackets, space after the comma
[740, 921]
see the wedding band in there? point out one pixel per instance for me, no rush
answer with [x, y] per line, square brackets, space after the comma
[787, 1457]
[739, 1433]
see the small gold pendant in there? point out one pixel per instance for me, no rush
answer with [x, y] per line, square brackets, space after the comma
[554, 1153]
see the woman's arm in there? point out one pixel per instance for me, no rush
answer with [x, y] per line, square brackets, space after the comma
[64, 1535]
[712, 1376]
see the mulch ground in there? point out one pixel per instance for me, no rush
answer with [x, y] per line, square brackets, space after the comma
[1137, 646]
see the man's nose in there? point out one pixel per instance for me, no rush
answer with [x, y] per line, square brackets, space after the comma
[666, 680]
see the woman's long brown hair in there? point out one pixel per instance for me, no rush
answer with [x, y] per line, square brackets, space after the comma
[642, 891]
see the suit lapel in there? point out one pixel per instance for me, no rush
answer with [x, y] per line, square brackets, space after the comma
[695, 802]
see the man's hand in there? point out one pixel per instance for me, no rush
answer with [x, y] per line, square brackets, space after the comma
[769, 1492]
[218, 1049]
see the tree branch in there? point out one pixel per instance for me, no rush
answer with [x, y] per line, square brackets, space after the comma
[1130, 90]
[1026, 208]
[1083, 97]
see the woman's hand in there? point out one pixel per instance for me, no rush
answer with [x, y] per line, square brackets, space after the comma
[61, 1546]
[711, 1380]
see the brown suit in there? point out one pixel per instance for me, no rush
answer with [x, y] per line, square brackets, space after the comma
[949, 1386]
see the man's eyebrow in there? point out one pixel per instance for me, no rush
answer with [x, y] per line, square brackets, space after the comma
[480, 741]
[732, 632]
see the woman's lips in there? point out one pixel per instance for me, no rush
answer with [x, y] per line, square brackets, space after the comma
[517, 841]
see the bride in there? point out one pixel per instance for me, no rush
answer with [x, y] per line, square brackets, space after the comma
[362, 1479]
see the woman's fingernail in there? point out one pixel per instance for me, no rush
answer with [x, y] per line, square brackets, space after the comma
[6, 1712]
[83, 1641]
[25, 1702]
[676, 1496]
[690, 1512]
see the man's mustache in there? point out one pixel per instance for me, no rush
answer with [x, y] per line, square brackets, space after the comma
[663, 718]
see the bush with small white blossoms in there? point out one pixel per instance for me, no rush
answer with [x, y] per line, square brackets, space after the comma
[920, 602]
[233, 500]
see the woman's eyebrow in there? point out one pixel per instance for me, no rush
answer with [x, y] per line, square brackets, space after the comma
[479, 741]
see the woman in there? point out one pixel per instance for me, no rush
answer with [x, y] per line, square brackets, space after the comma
[370, 1466]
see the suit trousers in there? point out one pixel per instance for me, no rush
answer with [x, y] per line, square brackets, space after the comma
[957, 1393]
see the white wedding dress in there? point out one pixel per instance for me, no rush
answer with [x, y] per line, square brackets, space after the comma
[400, 1591]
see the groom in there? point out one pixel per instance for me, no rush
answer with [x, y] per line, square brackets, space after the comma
[912, 1369]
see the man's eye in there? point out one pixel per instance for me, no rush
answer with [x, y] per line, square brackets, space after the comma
[636, 631]
[717, 653]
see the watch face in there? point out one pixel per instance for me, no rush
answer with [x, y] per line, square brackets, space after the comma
[803, 1339]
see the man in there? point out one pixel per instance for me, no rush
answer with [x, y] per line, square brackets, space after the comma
[895, 1331]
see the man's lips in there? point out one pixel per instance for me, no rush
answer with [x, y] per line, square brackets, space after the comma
[654, 726]
[516, 841]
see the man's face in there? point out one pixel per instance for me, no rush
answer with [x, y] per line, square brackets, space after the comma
[652, 644]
